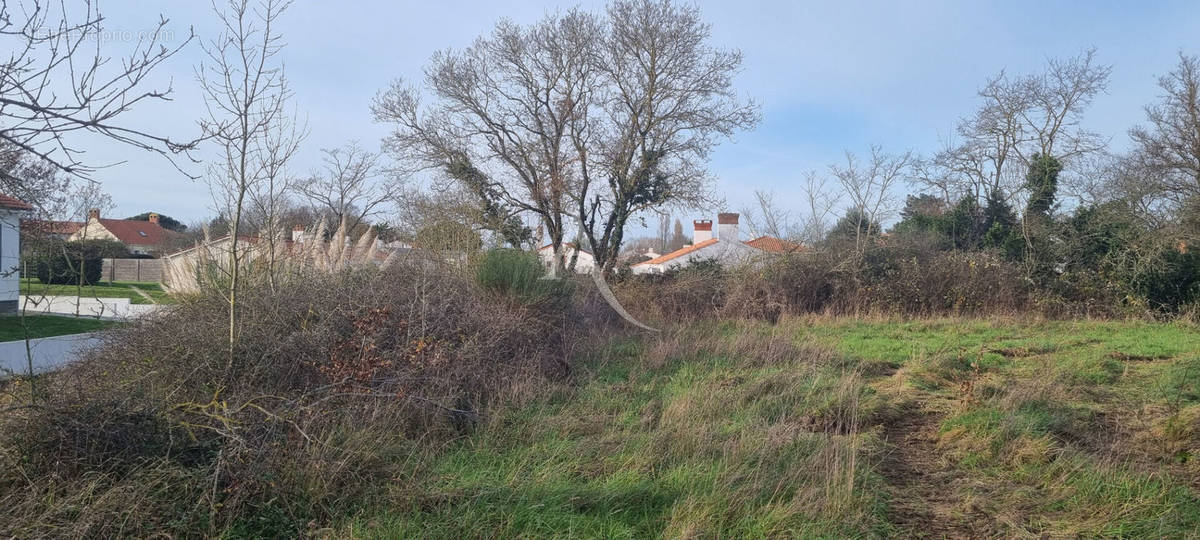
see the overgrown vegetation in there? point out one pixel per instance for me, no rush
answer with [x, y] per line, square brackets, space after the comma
[413, 402]
[336, 381]
[800, 429]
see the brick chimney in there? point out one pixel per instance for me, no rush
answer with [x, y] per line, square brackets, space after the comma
[94, 213]
[701, 230]
[153, 218]
[727, 227]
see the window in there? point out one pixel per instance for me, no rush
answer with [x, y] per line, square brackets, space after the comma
[143, 233]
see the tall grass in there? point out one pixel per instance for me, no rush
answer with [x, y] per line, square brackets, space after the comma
[519, 274]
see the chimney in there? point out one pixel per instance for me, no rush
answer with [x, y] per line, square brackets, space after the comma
[94, 213]
[701, 230]
[298, 233]
[727, 227]
[153, 218]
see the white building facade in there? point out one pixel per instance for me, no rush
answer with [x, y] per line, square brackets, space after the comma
[725, 248]
[584, 261]
[11, 212]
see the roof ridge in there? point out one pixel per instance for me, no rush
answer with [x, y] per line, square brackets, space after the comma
[679, 252]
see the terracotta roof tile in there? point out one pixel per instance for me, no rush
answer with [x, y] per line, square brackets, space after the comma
[14, 203]
[51, 227]
[679, 252]
[135, 232]
[771, 244]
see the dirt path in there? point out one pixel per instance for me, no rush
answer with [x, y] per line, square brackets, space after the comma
[925, 501]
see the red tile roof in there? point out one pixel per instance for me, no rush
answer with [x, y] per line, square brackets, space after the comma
[51, 227]
[679, 252]
[135, 232]
[771, 244]
[14, 203]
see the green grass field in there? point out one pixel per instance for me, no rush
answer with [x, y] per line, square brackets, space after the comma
[821, 428]
[105, 289]
[13, 328]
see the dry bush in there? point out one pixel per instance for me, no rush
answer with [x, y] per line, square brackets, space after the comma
[693, 293]
[891, 279]
[338, 379]
[949, 283]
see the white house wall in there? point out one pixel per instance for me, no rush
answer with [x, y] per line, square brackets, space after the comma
[583, 264]
[10, 257]
[725, 253]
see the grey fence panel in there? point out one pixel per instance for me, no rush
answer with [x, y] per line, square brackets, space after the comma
[133, 270]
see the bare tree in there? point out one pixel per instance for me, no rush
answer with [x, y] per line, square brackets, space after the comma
[31, 179]
[350, 188]
[270, 196]
[870, 187]
[1058, 97]
[663, 98]
[664, 232]
[57, 82]
[821, 202]
[500, 116]
[767, 218]
[1169, 148]
[1019, 117]
[245, 94]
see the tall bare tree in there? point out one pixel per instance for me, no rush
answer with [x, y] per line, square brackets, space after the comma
[246, 95]
[500, 115]
[350, 187]
[1169, 147]
[57, 82]
[1019, 117]
[663, 97]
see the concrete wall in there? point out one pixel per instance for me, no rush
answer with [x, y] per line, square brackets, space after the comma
[132, 270]
[10, 253]
[106, 308]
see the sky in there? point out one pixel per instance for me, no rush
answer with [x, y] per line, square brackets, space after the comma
[830, 76]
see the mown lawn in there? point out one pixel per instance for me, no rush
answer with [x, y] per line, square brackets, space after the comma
[104, 289]
[823, 428]
[13, 327]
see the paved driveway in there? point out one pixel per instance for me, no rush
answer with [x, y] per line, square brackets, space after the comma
[49, 353]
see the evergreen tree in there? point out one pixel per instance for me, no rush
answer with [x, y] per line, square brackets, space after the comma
[1042, 183]
[167, 222]
[1000, 226]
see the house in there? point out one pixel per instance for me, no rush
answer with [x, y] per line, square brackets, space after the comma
[60, 230]
[11, 211]
[584, 262]
[139, 237]
[770, 244]
[725, 248]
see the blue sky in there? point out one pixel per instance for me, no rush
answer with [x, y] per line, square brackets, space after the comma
[830, 76]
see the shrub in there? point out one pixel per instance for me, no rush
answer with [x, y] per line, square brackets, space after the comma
[337, 380]
[69, 267]
[519, 274]
[685, 294]
[904, 277]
